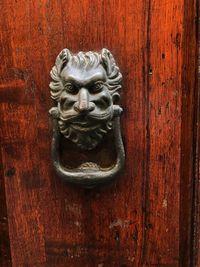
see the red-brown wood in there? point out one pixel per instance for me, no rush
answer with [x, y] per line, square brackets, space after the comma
[188, 131]
[5, 259]
[196, 209]
[145, 218]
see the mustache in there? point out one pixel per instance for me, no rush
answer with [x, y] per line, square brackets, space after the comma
[72, 115]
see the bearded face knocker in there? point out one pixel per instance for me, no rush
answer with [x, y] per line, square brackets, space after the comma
[86, 88]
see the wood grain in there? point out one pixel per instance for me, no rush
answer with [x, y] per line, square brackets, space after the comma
[145, 217]
[188, 131]
[196, 185]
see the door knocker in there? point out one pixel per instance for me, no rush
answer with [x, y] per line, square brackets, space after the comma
[85, 87]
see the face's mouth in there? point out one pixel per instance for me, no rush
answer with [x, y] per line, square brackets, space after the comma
[86, 122]
[84, 126]
[71, 116]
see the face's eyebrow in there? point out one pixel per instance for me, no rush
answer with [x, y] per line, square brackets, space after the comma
[72, 80]
[85, 81]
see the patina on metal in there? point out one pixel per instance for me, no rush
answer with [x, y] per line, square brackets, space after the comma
[85, 87]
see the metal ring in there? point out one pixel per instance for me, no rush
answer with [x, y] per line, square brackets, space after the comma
[87, 177]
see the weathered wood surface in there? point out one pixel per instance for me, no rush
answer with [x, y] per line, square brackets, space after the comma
[196, 210]
[145, 217]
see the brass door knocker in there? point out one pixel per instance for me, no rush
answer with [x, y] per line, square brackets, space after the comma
[85, 87]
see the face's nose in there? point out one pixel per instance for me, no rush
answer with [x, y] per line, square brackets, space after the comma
[83, 104]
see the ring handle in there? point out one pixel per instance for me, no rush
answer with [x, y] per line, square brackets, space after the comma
[86, 87]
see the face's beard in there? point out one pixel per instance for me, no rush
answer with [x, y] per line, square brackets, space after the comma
[86, 134]
[85, 130]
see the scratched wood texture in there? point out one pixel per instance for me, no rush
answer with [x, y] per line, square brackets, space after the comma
[146, 217]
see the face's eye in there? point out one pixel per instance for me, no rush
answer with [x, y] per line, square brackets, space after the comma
[97, 87]
[70, 88]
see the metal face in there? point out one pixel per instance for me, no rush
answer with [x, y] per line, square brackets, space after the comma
[85, 87]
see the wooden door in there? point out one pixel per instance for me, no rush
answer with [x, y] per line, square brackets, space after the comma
[149, 216]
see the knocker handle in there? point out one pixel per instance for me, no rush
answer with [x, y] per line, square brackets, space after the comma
[85, 87]
[88, 176]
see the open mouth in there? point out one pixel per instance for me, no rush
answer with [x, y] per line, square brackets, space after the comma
[84, 126]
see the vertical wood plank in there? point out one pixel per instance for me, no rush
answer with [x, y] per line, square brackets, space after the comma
[5, 257]
[19, 137]
[164, 130]
[188, 131]
[196, 209]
